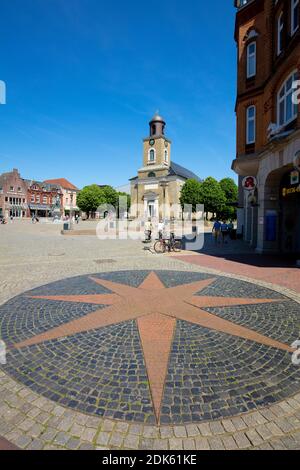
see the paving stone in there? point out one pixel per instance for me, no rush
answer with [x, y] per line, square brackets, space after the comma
[229, 443]
[189, 444]
[264, 431]
[107, 425]
[150, 431]
[175, 444]
[131, 441]
[73, 444]
[103, 438]
[23, 441]
[215, 443]
[274, 429]
[180, 431]
[146, 444]
[116, 439]
[160, 444]
[62, 438]
[216, 427]
[202, 443]
[122, 427]
[87, 446]
[166, 432]
[192, 430]
[88, 434]
[36, 444]
[254, 437]
[241, 440]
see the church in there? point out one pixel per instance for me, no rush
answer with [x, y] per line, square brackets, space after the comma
[155, 192]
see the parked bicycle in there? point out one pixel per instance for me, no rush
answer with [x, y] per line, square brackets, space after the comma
[168, 244]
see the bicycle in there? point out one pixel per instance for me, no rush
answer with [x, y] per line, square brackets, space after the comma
[171, 244]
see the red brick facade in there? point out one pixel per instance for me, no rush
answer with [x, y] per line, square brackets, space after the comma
[271, 69]
[13, 195]
[267, 34]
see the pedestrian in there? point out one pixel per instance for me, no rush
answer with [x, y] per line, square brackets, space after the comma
[224, 232]
[148, 230]
[216, 231]
[160, 228]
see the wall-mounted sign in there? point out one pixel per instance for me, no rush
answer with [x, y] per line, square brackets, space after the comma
[290, 191]
[295, 177]
[249, 183]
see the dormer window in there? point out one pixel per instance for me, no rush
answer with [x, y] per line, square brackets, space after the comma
[251, 60]
[294, 16]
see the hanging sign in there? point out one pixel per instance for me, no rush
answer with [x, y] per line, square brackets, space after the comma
[249, 183]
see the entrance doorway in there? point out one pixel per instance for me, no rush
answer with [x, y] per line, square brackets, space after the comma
[151, 209]
[290, 214]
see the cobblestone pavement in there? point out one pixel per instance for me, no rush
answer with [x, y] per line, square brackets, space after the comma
[33, 256]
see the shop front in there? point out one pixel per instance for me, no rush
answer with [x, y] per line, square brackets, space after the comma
[290, 213]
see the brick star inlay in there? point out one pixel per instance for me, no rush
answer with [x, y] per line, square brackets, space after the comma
[155, 309]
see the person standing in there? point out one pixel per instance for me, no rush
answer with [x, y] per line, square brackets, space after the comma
[216, 231]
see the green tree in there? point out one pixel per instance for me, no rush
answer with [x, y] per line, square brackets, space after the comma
[128, 198]
[230, 190]
[108, 196]
[89, 199]
[191, 193]
[212, 196]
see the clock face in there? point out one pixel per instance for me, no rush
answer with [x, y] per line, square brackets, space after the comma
[152, 142]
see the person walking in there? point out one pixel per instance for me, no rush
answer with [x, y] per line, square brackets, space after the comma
[216, 231]
[224, 232]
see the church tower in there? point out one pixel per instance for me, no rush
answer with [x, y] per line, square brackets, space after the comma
[157, 148]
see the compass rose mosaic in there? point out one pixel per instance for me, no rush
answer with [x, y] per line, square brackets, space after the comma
[159, 347]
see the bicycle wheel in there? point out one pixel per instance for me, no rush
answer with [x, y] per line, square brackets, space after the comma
[159, 247]
[177, 246]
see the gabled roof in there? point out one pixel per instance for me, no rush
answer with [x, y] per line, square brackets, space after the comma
[65, 184]
[179, 170]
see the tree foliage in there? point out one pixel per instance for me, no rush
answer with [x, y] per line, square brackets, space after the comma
[230, 190]
[88, 198]
[217, 197]
[212, 196]
[191, 193]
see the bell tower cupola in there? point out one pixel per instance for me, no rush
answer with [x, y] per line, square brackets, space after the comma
[157, 126]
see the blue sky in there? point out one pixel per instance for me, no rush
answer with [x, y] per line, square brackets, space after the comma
[84, 77]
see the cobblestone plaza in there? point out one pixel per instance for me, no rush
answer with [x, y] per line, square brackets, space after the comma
[111, 347]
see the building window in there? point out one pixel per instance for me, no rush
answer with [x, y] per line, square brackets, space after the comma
[151, 174]
[11, 188]
[45, 200]
[32, 199]
[38, 199]
[280, 33]
[166, 155]
[286, 110]
[251, 118]
[151, 156]
[294, 16]
[251, 60]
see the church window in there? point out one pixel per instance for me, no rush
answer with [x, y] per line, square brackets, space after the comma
[151, 174]
[166, 155]
[151, 155]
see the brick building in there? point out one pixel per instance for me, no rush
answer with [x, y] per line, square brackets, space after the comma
[155, 192]
[267, 34]
[69, 192]
[13, 195]
[42, 198]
